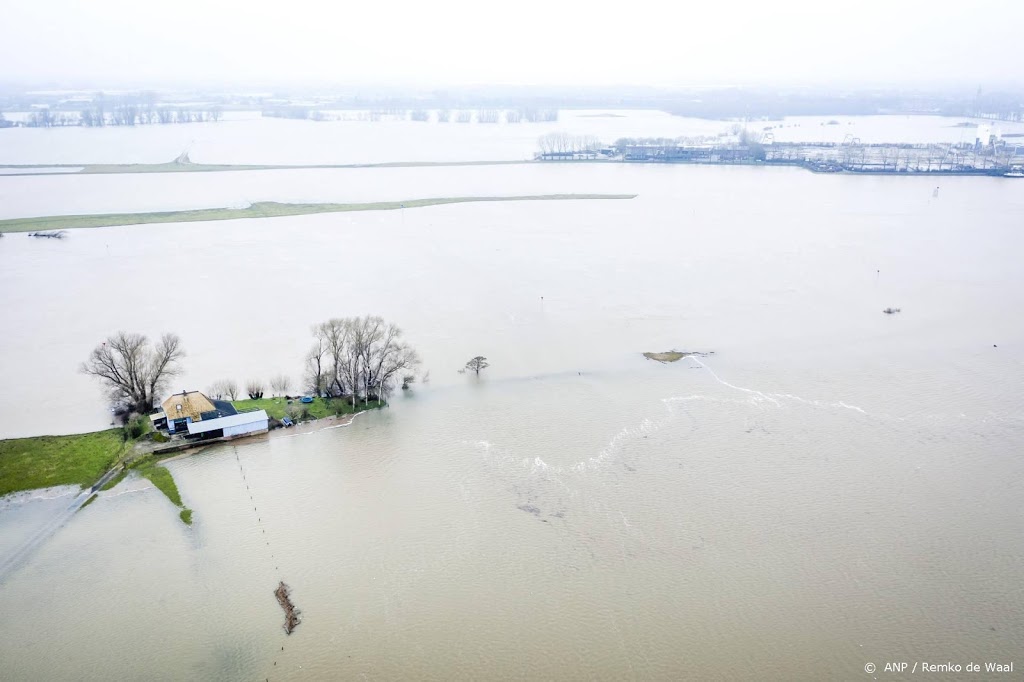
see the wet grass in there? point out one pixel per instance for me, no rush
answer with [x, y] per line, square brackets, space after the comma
[162, 480]
[46, 461]
[263, 209]
[160, 477]
[278, 408]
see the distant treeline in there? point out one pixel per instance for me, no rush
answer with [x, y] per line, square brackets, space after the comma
[510, 104]
[311, 113]
[752, 104]
[122, 115]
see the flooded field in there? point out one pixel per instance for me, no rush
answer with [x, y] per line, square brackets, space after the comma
[833, 486]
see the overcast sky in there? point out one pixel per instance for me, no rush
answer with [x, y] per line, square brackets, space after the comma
[543, 42]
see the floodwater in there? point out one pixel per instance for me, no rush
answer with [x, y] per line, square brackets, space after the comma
[832, 487]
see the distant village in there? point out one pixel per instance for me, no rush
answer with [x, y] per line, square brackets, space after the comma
[991, 153]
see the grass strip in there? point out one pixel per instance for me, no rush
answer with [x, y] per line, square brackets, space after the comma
[263, 209]
[278, 408]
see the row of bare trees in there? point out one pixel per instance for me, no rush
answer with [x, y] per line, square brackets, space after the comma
[353, 357]
[254, 388]
[358, 358]
[564, 143]
[122, 115]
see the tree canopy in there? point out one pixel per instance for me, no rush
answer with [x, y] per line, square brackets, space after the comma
[134, 371]
[478, 363]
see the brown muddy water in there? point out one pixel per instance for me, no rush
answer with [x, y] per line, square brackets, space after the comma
[834, 486]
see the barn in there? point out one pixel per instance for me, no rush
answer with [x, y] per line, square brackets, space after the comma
[230, 426]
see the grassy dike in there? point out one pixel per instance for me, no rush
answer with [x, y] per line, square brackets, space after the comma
[79, 459]
[47, 461]
[263, 209]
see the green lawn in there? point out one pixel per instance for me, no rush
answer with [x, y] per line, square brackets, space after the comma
[263, 209]
[278, 408]
[45, 461]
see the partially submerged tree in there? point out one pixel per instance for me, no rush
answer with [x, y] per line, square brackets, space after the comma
[255, 389]
[134, 371]
[478, 363]
[358, 357]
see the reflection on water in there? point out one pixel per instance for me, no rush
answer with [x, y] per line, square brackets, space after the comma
[833, 486]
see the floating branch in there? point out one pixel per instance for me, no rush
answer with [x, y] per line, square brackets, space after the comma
[56, 234]
[291, 614]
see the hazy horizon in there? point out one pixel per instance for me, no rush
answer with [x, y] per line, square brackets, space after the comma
[793, 43]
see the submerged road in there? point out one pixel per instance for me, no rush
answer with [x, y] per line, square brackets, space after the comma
[10, 563]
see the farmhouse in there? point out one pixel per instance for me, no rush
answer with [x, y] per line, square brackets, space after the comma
[193, 414]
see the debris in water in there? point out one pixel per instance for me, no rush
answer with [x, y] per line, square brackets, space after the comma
[891, 311]
[291, 614]
[529, 509]
[56, 234]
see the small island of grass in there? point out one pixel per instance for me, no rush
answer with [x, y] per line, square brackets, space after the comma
[674, 355]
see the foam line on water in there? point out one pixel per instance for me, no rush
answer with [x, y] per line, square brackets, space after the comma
[757, 396]
[774, 398]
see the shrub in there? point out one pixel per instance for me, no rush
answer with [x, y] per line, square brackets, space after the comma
[136, 426]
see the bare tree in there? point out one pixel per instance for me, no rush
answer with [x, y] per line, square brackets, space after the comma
[216, 390]
[476, 364]
[280, 384]
[384, 355]
[254, 387]
[133, 371]
[225, 388]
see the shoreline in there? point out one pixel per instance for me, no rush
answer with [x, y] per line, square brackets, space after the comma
[40, 169]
